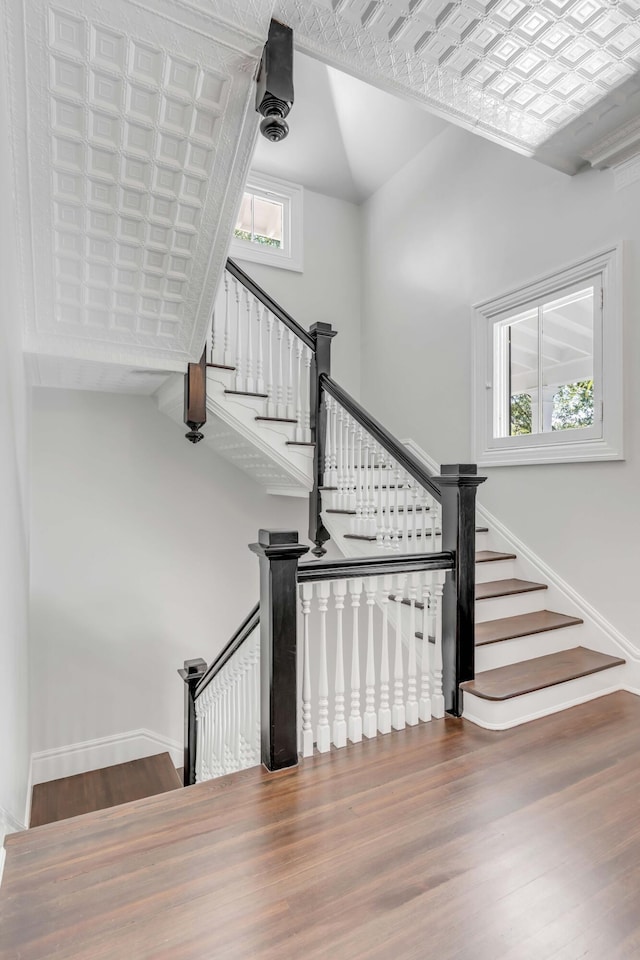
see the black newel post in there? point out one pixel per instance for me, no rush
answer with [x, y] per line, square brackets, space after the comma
[192, 674]
[279, 552]
[322, 335]
[458, 483]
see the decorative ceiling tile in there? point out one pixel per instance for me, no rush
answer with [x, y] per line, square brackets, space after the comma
[502, 67]
[140, 134]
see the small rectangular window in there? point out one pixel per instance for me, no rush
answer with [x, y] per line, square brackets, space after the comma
[542, 384]
[269, 225]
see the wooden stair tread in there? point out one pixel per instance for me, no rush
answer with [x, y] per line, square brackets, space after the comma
[516, 679]
[392, 510]
[220, 366]
[278, 419]
[99, 789]
[487, 556]
[493, 631]
[506, 588]
[247, 393]
[360, 536]
[300, 443]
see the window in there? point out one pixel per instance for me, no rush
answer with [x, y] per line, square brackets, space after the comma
[269, 225]
[548, 368]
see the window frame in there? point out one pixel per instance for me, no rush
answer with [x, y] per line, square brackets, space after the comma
[291, 195]
[603, 440]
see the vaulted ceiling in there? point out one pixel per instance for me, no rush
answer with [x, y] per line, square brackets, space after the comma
[133, 128]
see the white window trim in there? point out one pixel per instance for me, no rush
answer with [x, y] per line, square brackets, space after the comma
[539, 448]
[290, 257]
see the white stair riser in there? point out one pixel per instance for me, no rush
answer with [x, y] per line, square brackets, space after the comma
[500, 715]
[495, 570]
[499, 607]
[491, 655]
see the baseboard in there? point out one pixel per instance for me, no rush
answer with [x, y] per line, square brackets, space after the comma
[545, 572]
[103, 752]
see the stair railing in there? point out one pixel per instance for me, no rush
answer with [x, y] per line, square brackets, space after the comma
[421, 526]
[221, 712]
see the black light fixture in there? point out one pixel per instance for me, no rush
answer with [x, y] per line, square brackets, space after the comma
[274, 96]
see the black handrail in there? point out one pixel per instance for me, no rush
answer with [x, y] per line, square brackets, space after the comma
[248, 625]
[270, 303]
[407, 460]
[374, 566]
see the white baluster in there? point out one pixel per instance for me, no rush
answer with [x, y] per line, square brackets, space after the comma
[380, 514]
[290, 408]
[260, 312]
[433, 513]
[412, 668]
[384, 712]
[307, 412]
[437, 701]
[281, 410]
[307, 731]
[355, 720]
[369, 721]
[299, 434]
[250, 384]
[424, 708]
[398, 711]
[339, 722]
[353, 430]
[388, 533]
[271, 407]
[343, 476]
[395, 518]
[418, 544]
[323, 736]
[226, 353]
[239, 381]
[405, 513]
[357, 526]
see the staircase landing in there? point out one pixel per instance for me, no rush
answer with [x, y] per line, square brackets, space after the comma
[444, 840]
[99, 789]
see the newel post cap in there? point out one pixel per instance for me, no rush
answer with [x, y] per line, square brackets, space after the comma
[278, 545]
[321, 330]
[459, 475]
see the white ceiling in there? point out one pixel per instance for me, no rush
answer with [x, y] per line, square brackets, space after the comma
[346, 137]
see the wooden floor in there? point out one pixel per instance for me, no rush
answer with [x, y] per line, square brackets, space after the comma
[444, 842]
[99, 789]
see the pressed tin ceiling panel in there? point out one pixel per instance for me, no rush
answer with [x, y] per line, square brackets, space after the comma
[517, 72]
[139, 131]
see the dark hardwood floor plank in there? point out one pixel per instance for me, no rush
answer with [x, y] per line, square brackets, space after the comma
[443, 841]
[99, 789]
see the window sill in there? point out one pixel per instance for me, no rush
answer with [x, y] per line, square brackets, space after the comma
[581, 451]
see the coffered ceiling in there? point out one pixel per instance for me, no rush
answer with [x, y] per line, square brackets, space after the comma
[133, 128]
[517, 72]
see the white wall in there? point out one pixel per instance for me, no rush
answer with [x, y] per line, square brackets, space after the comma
[14, 560]
[329, 288]
[139, 561]
[463, 221]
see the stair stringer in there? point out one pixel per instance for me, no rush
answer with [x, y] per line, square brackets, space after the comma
[258, 448]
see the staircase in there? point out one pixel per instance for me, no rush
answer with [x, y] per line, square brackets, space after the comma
[534, 653]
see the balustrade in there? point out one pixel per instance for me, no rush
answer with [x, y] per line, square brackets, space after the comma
[269, 357]
[363, 652]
